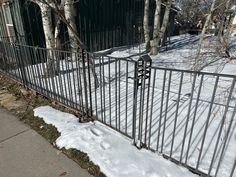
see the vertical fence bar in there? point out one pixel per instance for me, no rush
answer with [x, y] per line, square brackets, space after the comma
[41, 70]
[74, 81]
[119, 92]
[140, 85]
[79, 76]
[233, 168]
[207, 122]
[35, 49]
[65, 79]
[24, 60]
[109, 77]
[166, 111]
[48, 57]
[222, 125]
[95, 86]
[24, 69]
[188, 115]
[101, 85]
[53, 67]
[135, 96]
[12, 51]
[60, 80]
[21, 66]
[90, 111]
[176, 113]
[194, 117]
[151, 111]
[161, 109]
[104, 90]
[142, 69]
[225, 142]
[85, 82]
[45, 83]
[57, 54]
[116, 92]
[148, 77]
[33, 67]
[126, 95]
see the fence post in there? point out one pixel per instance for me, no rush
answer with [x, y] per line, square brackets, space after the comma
[90, 109]
[135, 95]
[142, 76]
[83, 57]
[17, 53]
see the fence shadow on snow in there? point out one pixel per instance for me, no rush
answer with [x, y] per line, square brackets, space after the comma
[188, 117]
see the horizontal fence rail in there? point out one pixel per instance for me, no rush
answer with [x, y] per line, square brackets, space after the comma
[186, 116]
[190, 118]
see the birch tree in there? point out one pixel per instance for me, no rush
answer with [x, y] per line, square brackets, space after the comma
[47, 23]
[160, 29]
[52, 34]
[146, 24]
[70, 12]
[51, 39]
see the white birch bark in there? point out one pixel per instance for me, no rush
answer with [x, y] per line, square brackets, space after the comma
[47, 25]
[69, 11]
[165, 19]
[207, 23]
[146, 25]
[159, 32]
[46, 12]
[57, 40]
[156, 28]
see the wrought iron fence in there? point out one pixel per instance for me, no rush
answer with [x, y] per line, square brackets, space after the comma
[188, 117]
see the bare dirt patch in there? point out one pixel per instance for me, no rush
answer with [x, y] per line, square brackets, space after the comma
[22, 101]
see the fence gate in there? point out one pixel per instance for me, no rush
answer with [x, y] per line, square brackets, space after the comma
[111, 97]
[141, 97]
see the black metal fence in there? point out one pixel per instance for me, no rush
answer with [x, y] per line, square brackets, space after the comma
[188, 117]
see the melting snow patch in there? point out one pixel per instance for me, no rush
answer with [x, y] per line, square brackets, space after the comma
[113, 152]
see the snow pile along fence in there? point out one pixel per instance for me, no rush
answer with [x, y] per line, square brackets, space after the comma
[187, 116]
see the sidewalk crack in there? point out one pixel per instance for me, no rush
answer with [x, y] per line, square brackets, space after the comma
[4, 140]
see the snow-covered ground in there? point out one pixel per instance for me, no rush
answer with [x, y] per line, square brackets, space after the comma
[180, 54]
[113, 101]
[114, 153]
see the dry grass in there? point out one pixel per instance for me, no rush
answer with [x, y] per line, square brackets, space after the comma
[49, 132]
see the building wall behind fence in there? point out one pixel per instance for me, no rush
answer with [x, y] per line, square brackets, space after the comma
[109, 23]
[101, 24]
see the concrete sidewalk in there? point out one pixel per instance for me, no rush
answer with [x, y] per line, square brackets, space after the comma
[24, 153]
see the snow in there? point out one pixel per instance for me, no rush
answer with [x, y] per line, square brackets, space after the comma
[179, 54]
[113, 152]
[233, 8]
[112, 101]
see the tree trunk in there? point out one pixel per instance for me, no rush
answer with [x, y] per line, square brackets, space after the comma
[47, 25]
[158, 32]
[207, 22]
[165, 20]
[70, 17]
[222, 37]
[156, 28]
[52, 63]
[146, 25]
[57, 40]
